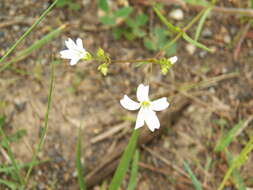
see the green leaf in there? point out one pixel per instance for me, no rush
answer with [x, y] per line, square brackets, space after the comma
[13, 138]
[9, 169]
[2, 118]
[27, 32]
[79, 165]
[117, 33]
[123, 12]
[165, 21]
[102, 4]
[129, 35]
[228, 137]
[74, 6]
[134, 172]
[107, 20]
[197, 44]
[131, 23]
[171, 50]
[237, 162]
[138, 32]
[161, 37]
[198, 2]
[201, 23]
[10, 153]
[35, 46]
[9, 184]
[125, 161]
[150, 45]
[141, 19]
[194, 179]
[237, 178]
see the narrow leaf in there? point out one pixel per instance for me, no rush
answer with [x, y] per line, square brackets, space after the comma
[237, 162]
[27, 32]
[197, 44]
[237, 178]
[79, 165]
[201, 23]
[134, 172]
[35, 46]
[228, 137]
[9, 184]
[194, 179]
[164, 20]
[8, 169]
[124, 161]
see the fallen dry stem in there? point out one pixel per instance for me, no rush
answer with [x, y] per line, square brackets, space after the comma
[228, 10]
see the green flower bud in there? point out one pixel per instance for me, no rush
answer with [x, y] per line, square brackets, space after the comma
[103, 68]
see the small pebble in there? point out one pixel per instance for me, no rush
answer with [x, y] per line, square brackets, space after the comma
[16, 27]
[227, 39]
[224, 70]
[213, 49]
[190, 49]
[202, 54]
[177, 14]
[207, 33]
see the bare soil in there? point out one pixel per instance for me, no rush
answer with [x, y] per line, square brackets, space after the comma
[82, 95]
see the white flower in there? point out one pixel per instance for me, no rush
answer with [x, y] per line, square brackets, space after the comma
[75, 51]
[147, 108]
[173, 60]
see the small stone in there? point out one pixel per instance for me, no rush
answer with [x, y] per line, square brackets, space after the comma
[227, 39]
[224, 70]
[190, 49]
[16, 27]
[202, 54]
[207, 33]
[177, 14]
[213, 49]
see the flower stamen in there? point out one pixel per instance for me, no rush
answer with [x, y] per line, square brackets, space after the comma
[145, 104]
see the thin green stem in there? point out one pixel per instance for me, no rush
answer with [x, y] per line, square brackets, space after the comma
[150, 60]
[11, 156]
[45, 128]
[13, 47]
[187, 27]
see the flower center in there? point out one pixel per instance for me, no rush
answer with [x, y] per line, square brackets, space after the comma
[145, 104]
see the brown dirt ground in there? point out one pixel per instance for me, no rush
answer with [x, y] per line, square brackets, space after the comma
[81, 94]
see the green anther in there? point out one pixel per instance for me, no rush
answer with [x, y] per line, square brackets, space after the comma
[145, 104]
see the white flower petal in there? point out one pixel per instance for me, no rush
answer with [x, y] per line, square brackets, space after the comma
[67, 54]
[79, 43]
[74, 60]
[142, 93]
[173, 59]
[160, 104]
[151, 119]
[129, 104]
[71, 44]
[140, 119]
